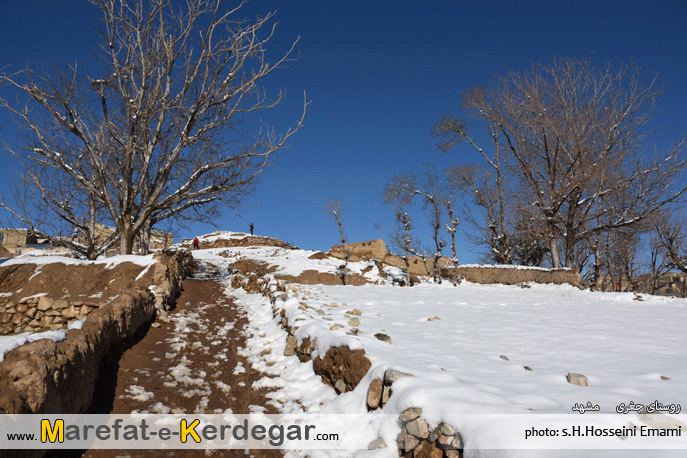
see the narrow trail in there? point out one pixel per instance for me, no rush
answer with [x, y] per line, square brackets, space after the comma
[188, 365]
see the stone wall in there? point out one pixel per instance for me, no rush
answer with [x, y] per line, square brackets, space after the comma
[247, 240]
[51, 296]
[418, 440]
[343, 369]
[168, 275]
[48, 377]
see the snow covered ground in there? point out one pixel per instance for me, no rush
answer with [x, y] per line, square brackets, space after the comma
[472, 350]
[509, 349]
[484, 349]
[286, 261]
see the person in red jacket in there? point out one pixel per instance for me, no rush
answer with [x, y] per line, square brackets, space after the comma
[196, 243]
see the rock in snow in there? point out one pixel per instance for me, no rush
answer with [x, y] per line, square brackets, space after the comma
[577, 379]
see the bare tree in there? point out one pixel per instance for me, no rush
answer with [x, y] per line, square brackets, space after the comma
[575, 135]
[491, 199]
[402, 239]
[658, 262]
[156, 134]
[401, 190]
[673, 238]
[76, 226]
[527, 242]
[333, 209]
[624, 256]
[451, 228]
[485, 214]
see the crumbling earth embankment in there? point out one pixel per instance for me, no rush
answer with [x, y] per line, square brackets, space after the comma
[48, 377]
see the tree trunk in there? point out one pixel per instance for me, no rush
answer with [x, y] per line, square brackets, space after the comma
[405, 260]
[609, 265]
[126, 240]
[144, 236]
[555, 259]
[437, 246]
[597, 266]
[505, 250]
[569, 247]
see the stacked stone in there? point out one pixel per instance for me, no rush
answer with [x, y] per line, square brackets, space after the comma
[417, 441]
[169, 273]
[38, 314]
[379, 390]
[251, 282]
[341, 368]
[275, 290]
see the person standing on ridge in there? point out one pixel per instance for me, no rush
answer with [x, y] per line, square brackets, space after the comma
[196, 244]
[251, 228]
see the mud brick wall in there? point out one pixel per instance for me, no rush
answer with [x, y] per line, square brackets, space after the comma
[506, 275]
[514, 276]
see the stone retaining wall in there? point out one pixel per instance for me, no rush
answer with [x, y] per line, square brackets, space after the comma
[57, 307]
[341, 367]
[168, 275]
[417, 440]
[48, 377]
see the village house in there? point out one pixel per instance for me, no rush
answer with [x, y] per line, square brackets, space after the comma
[15, 242]
[19, 241]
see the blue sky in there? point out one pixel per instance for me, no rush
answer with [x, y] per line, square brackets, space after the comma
[379, 75]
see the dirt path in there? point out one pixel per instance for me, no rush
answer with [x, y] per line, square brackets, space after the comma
[189, 365]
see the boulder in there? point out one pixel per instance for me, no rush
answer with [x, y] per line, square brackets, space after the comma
[374, 394]
[577, 379]
[391, 375]
[411, 414]
[427, 450]
[342, 363]
[415, 264]
[383, 337]
[409, 443]
[60, 304]
[418, 428]
[44, 303]
[377, 444]
[291, 344]
[70, 312]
